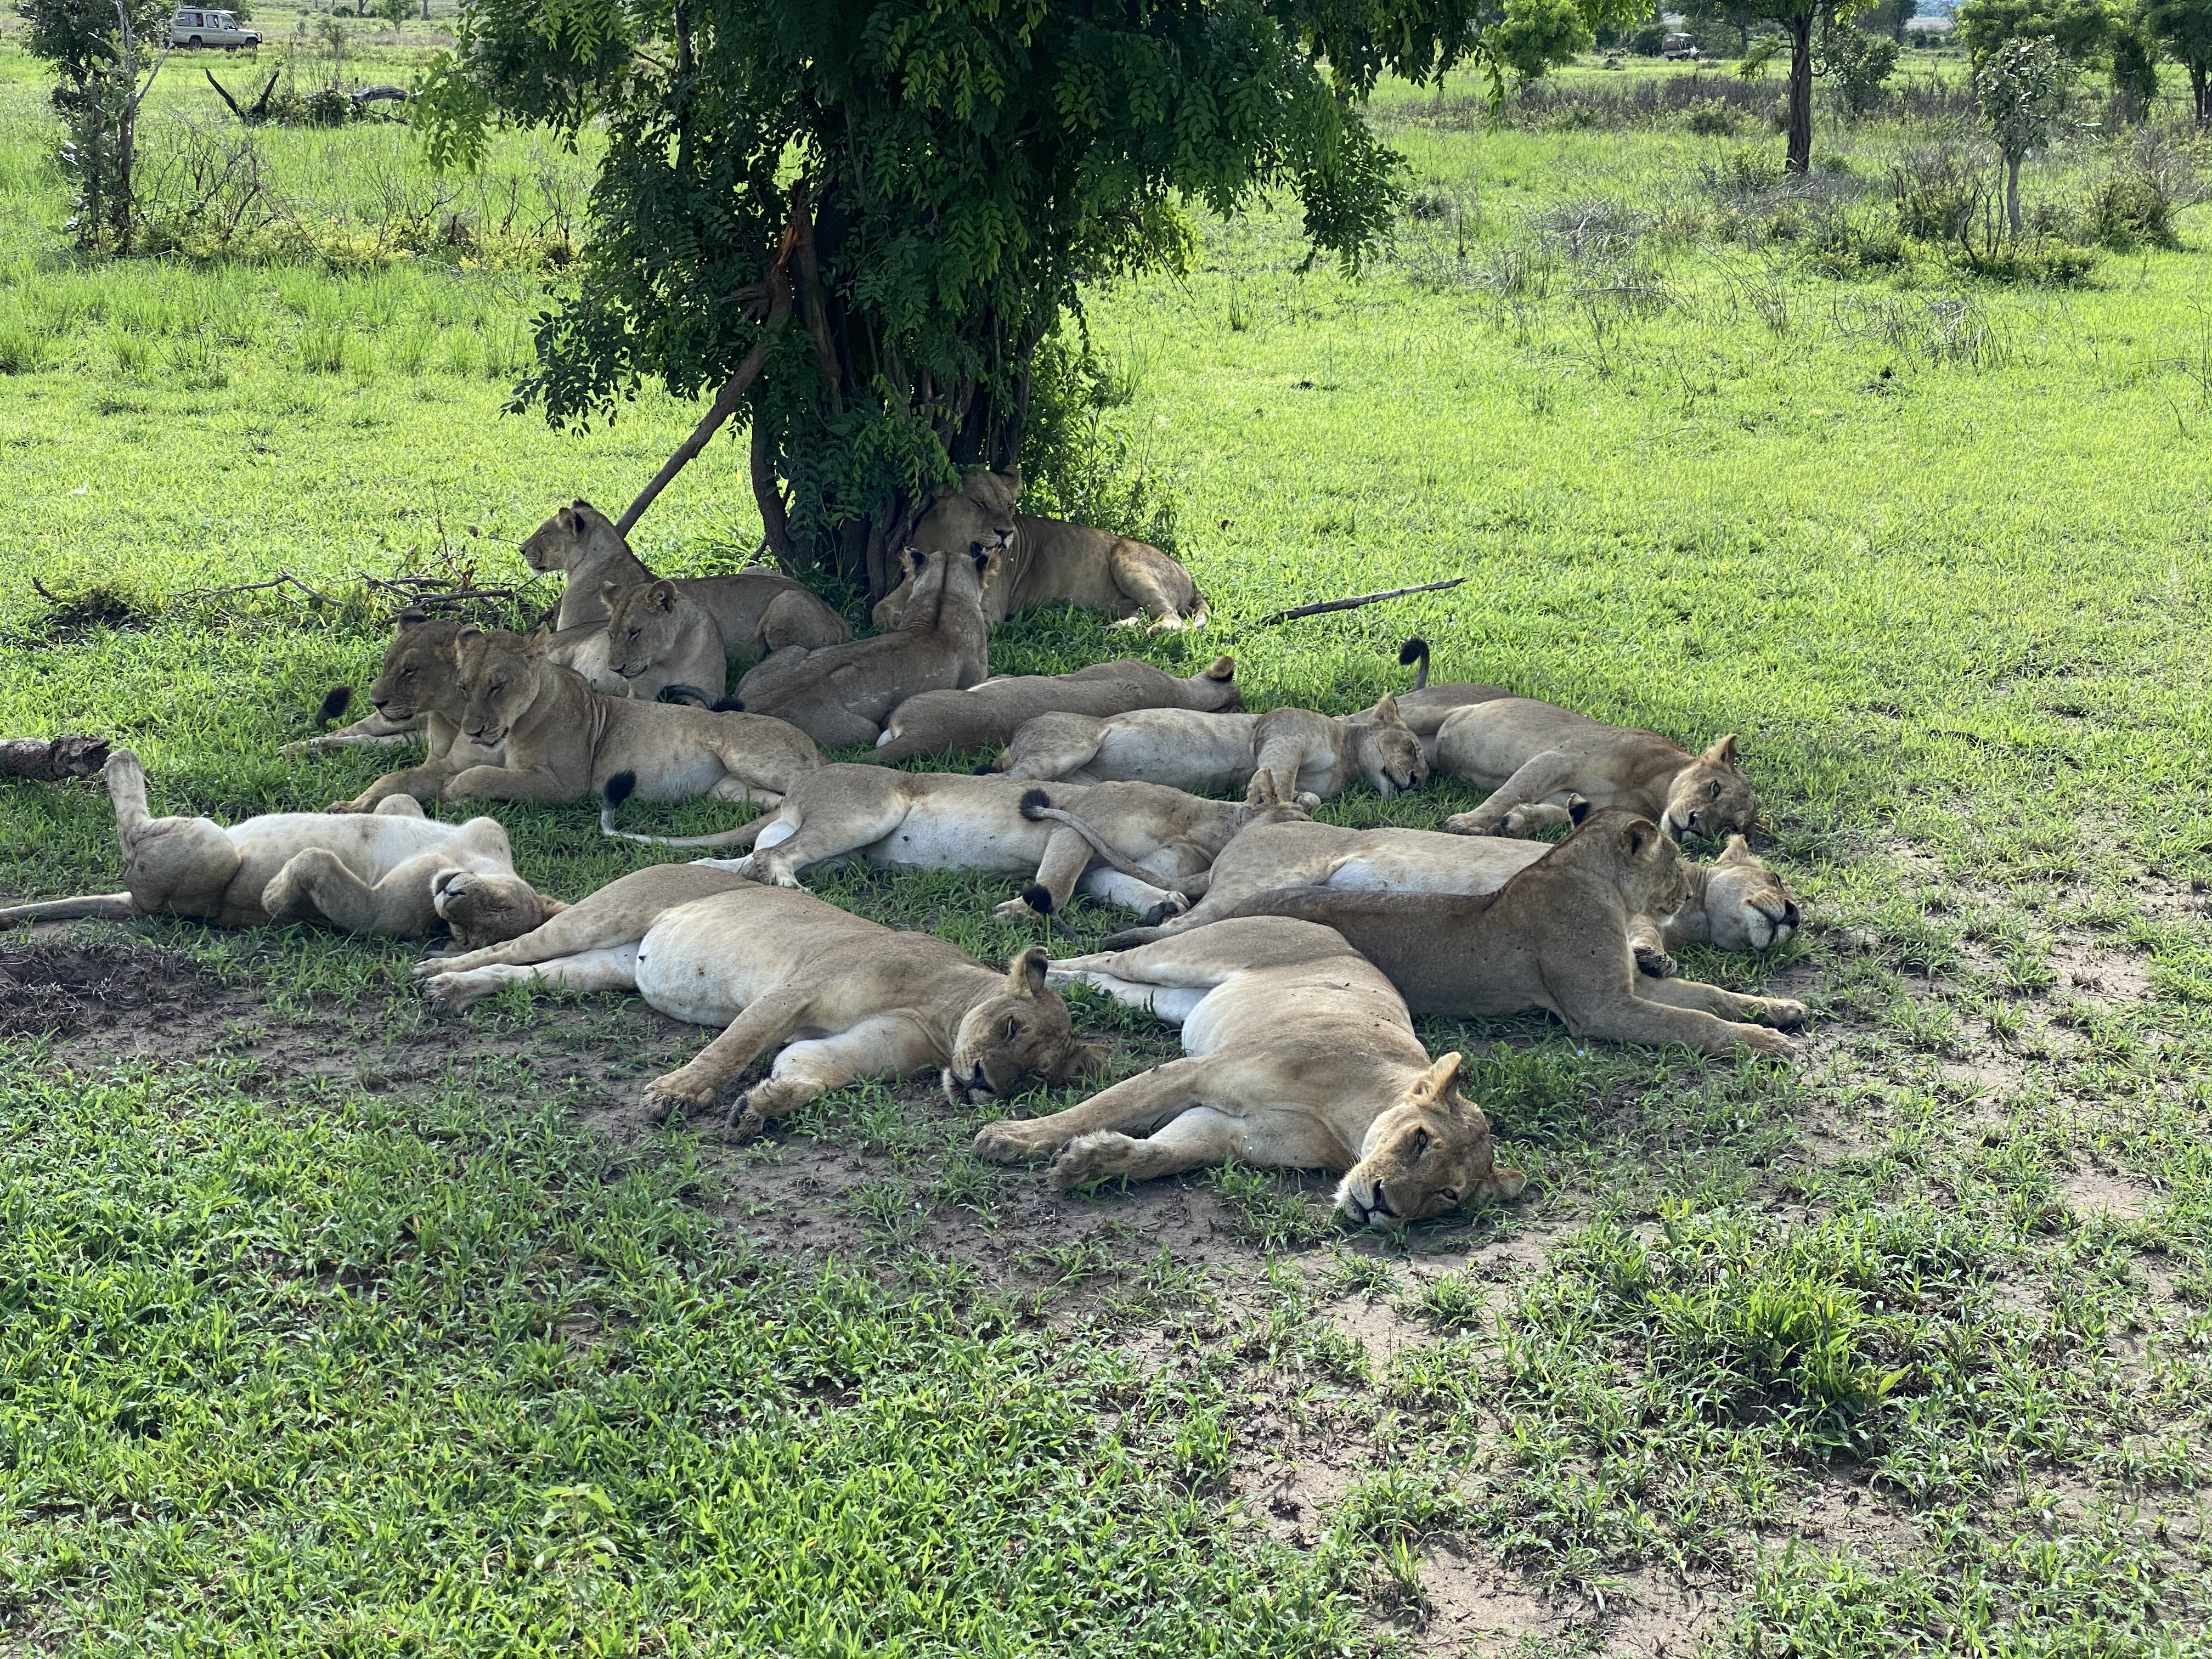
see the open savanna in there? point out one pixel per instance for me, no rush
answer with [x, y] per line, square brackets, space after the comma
[333, 1328]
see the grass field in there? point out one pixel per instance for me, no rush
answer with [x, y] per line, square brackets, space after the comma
[333, 1328]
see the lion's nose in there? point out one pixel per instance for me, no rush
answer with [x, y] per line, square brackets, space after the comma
[1381, 1204]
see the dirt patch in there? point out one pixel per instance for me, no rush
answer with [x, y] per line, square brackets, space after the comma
[52, 986]
[1478, 1607]
[73, 618]
[2101, 975]
[2094, 1194]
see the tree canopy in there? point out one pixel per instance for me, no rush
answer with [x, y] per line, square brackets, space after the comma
[940, 178]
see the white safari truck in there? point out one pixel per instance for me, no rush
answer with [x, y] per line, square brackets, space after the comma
[190, 28]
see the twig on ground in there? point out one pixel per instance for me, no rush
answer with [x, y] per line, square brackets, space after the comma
[50, 760]
[1354, 603]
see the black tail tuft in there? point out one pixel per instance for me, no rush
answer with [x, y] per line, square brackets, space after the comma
[730, 706]
[690, 694]
[1037, 895]
[1034, 801]
[619, 789]
[1414, 651]
[336, 701]
[1577, 809]
[987, 769]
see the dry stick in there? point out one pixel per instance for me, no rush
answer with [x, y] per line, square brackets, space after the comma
[733, 390]
[50, 760]
[1355, 603]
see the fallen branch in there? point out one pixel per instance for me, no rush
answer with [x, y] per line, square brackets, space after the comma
[733, 389]
[370, 95]
[43, 760]
[282, 579]
[1353, 604]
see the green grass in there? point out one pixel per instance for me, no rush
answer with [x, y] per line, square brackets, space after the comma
[1900, 1351]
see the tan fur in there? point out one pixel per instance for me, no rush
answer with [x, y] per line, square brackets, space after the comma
[559, 740]
[758, 611]
[1300, 1055]
[1423, 707]
[843, 695]
[654, 635]
[1557, 936]
[1048, 561]
[1736, 902]
[849, 998]
[417, 693]
[950, 820]
[377, 873]
[1531, 755]
[1310, 756]
[986, 715]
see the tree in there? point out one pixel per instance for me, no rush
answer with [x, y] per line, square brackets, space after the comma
[1800, 20]
[2183, 28]
[2082, 30]
[1856, 63]
[99, 50]
[2021, 88]
[921, 188]
[394, 12]
[1536, 35]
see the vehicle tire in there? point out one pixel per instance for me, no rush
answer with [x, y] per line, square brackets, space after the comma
[194, 41]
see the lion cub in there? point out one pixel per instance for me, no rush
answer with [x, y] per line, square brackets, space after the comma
[1301, 1056]
[1310, 757]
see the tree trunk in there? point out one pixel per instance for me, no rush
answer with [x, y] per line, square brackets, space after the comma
[1800, 158]
[2200, 84]
[2012, 194]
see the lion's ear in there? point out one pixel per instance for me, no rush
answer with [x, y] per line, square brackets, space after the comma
[1637, 836]
[1738, 851]
[1723, 752]
[1386, 713]
[1081, 1060]
[468, 635]
[1223, 668]
[410, 619]
[1440, 1080]
[609, 593]
[664, 595]
[1025, 973]
[1578, 808]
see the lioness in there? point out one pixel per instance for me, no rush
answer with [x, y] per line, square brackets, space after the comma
[1301, 1056]
[952, 821]
[1556, 935]
[1531, 756]
[654, 637]
[843, 694]
[862, 1000]
[557, 739]
[1736, 903]
[1048, 561]
[417, 693]
[758, 611]
[986, 715]
[1424, 707]
[374, 874]
[1310, 757]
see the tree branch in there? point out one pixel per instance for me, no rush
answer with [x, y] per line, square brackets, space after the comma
[1354, 603]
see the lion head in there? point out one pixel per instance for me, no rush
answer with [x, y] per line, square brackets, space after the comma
[501, 673]
[975, 521]
[418, 666]
[1429, 1153]
[1748, 906]
[1711, 796]
[1021, 1031]
[1645, 866]
[567, 539]
[1388, 751]
[643, 626]
[486, 909]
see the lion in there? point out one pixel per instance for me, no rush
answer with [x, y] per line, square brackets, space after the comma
[849, 998]
[1531, 756]
[417, 693]
[758, 611]
[1310, 756]
[654, 638]
[1557, 936]
[557, 739]
[842, 694]
[379, 873]
[1736, 903]
[986, 715]
[955, 821]
[1300, 1056]
[1048, 561]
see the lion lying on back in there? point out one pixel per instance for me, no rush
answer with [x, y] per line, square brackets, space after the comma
[1301, 1056]
[849, 998]
[389, 872]
[985, 716]
[1557, 936]
[1048, 561]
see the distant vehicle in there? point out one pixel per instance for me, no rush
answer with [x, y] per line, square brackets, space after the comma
[210, 28]
[1678, 48]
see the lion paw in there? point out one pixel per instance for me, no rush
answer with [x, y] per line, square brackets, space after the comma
[1783, 1014]
[1477, 823]
[1084, 1160]
[1654, 963]
[1011, 1141]
[355, 806]
[1760, 1041]
[676, 1096]
[1017, 908]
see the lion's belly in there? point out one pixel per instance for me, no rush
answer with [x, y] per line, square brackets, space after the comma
[940, 834]
[1464, 865]
[1204, 756]
[693, 968]
[369, 845]
[690, 771]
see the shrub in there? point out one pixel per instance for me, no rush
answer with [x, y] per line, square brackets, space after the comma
[2130, 209]
[1648, 41]
[1939, 192]
[1856, 64]
[1712, 118]
[2043, 262]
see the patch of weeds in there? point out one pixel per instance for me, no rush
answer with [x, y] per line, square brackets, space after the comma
[1268, 1210]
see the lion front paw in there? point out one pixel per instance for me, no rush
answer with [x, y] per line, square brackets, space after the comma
[678, 1095]
[1760, 1041]
[1084, 1160]
[357, 804]
[1017, 908]
[1011, 1141]
[1654, 963]
[1477, 823]
[1783, 1014]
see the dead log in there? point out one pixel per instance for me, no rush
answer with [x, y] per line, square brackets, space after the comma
[51, 760]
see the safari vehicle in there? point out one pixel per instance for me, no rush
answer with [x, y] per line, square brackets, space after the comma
[190, 28]
[1678, 48]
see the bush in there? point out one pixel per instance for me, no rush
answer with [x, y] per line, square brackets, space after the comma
[2042, 262]
[1938, 193]
[1648, 41]
[1856, 64]
[2132, 209]
[1712, 118]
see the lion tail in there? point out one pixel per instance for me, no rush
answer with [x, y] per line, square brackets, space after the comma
[621, 787]
[1416, 650]
[1037, 805]
[95, 907]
